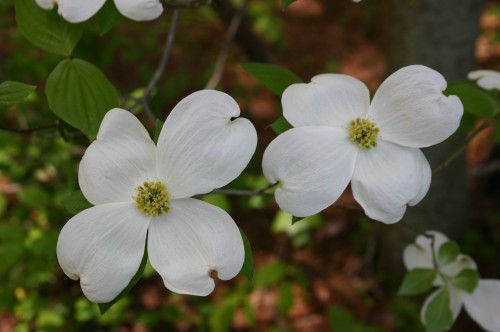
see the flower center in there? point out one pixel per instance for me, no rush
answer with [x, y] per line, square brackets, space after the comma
[364, 133]
[152, 198]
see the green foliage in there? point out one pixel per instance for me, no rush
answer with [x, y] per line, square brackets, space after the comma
[158, 127]
[467, 280]
[447, 253]
[280, 125]
[106, 19]
[12, 93]
[270, 275]
[223, 315]
[417, 281]
[438, 315]
[80, 94]
[286, 3]
[46, 29]
[285, 301]
[274, 77]
[103, 307]
[475, 100]
[247, 268]
[75, 202]
[299, 230]
[341, 319]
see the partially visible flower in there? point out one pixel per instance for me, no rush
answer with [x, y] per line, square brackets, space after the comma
[76, 11]
[482, 305]
[487, 79]
[142, 196]
[340, 137]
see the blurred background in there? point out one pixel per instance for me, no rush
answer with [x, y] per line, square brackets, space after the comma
[336, 271]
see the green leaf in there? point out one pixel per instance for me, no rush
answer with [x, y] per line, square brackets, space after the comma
[280, 125]
[340, 319]
[285, 300]
[46, 29]
[448, 253]
[467, 280]
[75, 202]
[12, 93]
[475, 100]
[80, 94]
[103, 307]
[274, 77]
[417, 281]
[270, 275]
[247, 268]
[158, 127]
[286, 3]
[438, 315]
[295, 219]
[106, 19]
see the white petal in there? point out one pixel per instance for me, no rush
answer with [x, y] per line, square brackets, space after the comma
[45, 4]
[329, 100]
[200, 148]
[483, 305]
[76, 11]
[410, 108]
[103, 246]
[419, 255]
[462, 262]
[487, 79]
[192, 240]
[387, 178]
[139, 10]
[118, 161]
[312, 164]
[455, 303]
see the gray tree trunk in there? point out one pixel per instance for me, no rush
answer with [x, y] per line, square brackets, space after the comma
[440, 34]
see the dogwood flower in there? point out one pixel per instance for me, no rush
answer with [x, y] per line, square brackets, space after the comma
[339, 137]
[487, 79]
[142, 196]
[76, 11]
[482, 305]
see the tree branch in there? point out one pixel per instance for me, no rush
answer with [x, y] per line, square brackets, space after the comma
[161, 67]
[221, 59]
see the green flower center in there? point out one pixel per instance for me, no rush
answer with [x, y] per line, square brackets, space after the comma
[152, 198]
[364, 133]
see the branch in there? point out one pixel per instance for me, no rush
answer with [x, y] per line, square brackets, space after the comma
[459, 151]
[237, 192]
[161, 67]
[221, 59]
[32, 130]
[187, 3]
[245, 36]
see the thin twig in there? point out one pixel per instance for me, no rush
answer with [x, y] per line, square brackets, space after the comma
[221, 59]
[161, 67]
[188, 3]
[30, 130]
[238, 192]
[461, 149]
[489, 168]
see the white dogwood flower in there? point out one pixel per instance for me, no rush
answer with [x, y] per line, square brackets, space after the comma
[76, 11]
[487, 79]
[142, 196]
[482, 305]
[339, 137]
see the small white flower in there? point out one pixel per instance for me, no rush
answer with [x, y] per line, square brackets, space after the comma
[487, 79]
[143, 191]
[482, 305]
[76, 11]
[339, 137]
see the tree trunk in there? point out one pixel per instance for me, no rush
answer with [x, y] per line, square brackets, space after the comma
[440, 34]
